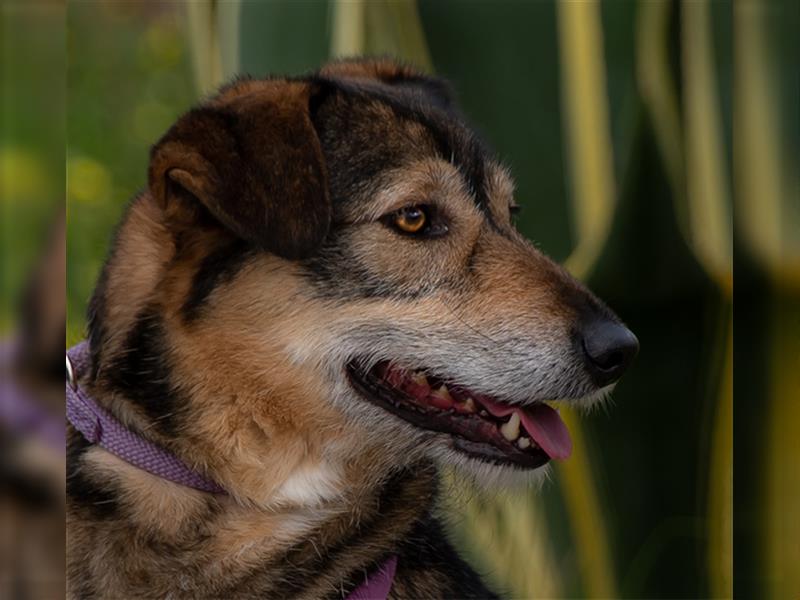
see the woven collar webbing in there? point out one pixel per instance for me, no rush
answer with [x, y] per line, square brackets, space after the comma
[100, 427]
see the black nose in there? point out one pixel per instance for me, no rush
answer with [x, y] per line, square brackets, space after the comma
[608, 347]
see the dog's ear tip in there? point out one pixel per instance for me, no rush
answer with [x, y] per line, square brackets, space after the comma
[257, 167]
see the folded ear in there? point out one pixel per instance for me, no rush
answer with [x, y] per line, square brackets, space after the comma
[255, 162]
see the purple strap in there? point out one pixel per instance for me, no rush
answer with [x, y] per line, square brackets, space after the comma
[378, 585]
[100, 427]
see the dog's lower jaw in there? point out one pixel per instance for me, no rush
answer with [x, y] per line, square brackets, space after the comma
[597, 400]
[491, 479]
[397, 444]
[403, 445]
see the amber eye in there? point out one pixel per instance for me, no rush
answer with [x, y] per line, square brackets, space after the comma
[411, 219]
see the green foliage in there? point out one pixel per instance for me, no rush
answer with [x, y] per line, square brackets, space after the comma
[129, 77]
[31, 141]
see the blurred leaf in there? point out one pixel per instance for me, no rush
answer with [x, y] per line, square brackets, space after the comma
[506, 535]
[587, 125]
[658, 89]
[229, 15]
[393, 28]
[707, 190]
[781, 478]
[720, 479]
[348, 37]
[708, 228]
[590, 156]
[766, 174]
[578, 477]
[768, 220]
[204, 37]
[379, 27]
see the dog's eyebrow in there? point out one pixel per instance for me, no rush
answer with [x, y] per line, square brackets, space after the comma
[455, 142]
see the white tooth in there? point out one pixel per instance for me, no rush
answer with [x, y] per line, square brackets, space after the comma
[469, 405]
[524, 442]
[510, 430]
[419, 378]
[483, 413]
[443, 392]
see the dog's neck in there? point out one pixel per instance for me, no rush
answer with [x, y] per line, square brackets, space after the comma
[332, 477]
[220, 538]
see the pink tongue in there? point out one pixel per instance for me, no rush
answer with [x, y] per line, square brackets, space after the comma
[542, 423]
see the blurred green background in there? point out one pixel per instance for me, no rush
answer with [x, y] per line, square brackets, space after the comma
[616, 119]
[32, 139]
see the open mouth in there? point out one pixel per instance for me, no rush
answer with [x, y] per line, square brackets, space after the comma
[479, 426]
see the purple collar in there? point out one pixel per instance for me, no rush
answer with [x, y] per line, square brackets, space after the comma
[377, 586]
[100, 427]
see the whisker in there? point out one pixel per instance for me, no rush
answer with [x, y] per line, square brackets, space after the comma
[470, 327]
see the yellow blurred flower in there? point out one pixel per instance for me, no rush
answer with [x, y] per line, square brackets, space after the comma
[88, 181]
[22, 175]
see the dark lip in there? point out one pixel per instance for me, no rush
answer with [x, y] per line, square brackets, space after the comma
[469, 434]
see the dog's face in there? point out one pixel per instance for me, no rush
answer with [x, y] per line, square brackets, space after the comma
[326, 274]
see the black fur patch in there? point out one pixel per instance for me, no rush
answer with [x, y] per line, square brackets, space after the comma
[427, 549]
[456, 143]
[219, 267]
[96, 313]
[96, 323]
[334, 276]
[141, 372]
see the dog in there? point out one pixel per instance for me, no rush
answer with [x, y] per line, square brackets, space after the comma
[318, 300]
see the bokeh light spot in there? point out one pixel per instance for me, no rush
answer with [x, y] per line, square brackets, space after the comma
[22, 174]
[87, 180]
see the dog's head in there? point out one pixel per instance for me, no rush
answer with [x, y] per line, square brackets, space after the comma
[324, 273]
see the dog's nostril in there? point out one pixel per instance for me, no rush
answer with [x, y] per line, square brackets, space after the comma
[608, 347]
